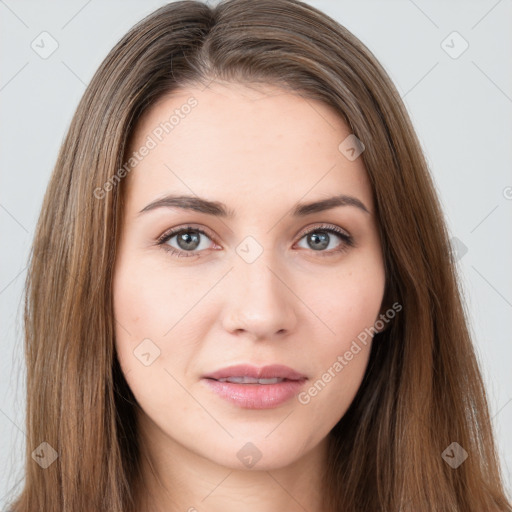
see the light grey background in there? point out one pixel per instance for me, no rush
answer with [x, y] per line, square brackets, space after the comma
[461, 108]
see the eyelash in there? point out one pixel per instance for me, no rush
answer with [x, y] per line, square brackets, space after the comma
[347, 240]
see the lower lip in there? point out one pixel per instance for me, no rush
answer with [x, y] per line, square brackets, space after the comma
[256, 396]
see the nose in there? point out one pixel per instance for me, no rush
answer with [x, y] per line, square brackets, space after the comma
[259, 300]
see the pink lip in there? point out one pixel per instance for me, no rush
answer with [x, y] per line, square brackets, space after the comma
[265, 372]
[256, 396]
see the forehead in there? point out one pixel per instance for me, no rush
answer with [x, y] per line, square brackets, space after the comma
[226, 140]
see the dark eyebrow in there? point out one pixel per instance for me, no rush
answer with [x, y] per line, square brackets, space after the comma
[218, 209]
[303, 209]
[190, 203]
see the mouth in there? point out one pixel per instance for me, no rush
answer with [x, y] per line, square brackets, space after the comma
[252, 380]
[250, 387]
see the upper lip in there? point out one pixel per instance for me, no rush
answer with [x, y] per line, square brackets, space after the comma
[264, 372]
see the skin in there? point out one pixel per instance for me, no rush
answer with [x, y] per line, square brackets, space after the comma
[259, 151]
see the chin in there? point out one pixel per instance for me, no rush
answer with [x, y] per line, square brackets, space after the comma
[259, 452]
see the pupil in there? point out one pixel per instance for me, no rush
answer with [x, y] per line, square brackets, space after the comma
[190, 241]
[321, 241]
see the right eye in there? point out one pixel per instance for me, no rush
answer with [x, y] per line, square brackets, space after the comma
[187, 241]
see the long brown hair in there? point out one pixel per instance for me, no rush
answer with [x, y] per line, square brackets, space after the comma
[422, 389]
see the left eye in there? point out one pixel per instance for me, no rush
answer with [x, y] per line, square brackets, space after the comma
[189, 241]
[321, 237]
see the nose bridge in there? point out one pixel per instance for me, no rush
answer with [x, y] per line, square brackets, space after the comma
[257, 299]
[259, 278]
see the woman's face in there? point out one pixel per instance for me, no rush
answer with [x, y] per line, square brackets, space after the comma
[239, 281]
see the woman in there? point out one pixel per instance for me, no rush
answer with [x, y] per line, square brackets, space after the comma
[186, 352]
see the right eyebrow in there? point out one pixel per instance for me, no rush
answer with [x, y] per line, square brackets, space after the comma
[194, 203]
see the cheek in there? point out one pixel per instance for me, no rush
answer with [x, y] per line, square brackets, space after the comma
[141, 293]
[146, 308]
[349, 310]
[147, 303]
[156, 334]
[349, 302]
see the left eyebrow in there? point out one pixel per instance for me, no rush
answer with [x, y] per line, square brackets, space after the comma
[303, 209]
[219, 209]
